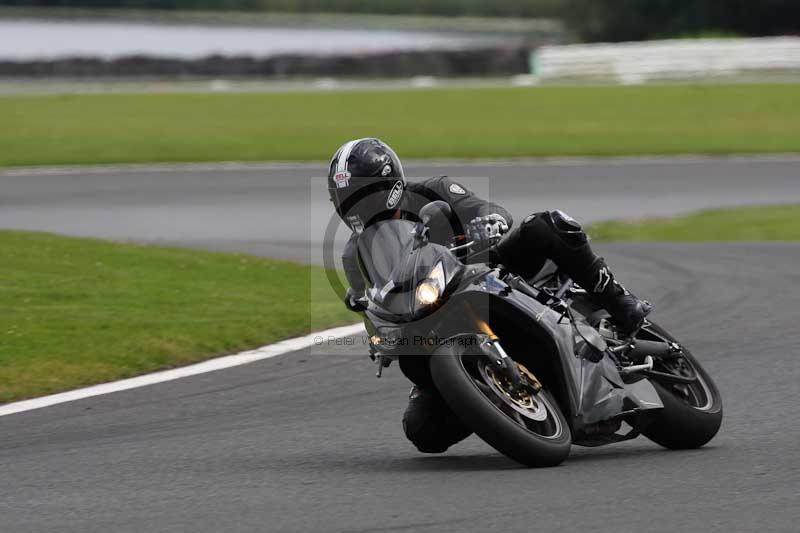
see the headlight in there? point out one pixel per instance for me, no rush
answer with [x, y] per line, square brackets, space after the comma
[427, 293]
[430, 289]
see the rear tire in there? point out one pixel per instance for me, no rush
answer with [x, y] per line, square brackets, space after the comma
[489, 418]
[679, 426]
[688, 420]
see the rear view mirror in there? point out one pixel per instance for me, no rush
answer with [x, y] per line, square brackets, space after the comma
[438, 211]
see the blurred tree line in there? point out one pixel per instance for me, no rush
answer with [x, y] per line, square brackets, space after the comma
[588, 20]
[634, 20]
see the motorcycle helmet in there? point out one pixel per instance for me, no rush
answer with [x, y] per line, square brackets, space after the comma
[365, 182]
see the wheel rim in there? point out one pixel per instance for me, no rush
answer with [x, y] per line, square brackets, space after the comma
[534, 413]
[695, 394]
[698, 394]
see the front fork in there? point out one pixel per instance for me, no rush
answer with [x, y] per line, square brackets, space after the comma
[489, 345]
[509, 370]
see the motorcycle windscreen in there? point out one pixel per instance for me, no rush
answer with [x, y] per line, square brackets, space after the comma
[382, 247]
[394, 263]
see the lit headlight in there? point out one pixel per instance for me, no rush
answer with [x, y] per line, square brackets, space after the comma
[430, 289]
[427, 293]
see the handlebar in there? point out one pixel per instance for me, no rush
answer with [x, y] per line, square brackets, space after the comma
[459, 243]
[454, 245]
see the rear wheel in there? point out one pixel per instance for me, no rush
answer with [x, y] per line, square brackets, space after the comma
[692, 412]
[527, 428]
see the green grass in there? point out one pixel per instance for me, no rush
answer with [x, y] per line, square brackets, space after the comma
[767, 223]
[78, 311]
[461, 123]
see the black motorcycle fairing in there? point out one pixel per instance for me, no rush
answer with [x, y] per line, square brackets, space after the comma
[394, 261]
[592, 391]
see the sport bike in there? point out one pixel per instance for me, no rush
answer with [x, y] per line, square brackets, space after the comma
[532, 366]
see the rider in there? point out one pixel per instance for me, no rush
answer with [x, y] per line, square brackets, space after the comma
[366, 184]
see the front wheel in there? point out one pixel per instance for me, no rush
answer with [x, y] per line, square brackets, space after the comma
[692, 413]
[529, 429]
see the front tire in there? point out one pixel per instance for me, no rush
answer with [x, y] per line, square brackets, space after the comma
[538, 438]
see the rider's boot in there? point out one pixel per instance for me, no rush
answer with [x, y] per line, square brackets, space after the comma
[627, 310]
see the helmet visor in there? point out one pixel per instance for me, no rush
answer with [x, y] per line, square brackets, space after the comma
[363, 201]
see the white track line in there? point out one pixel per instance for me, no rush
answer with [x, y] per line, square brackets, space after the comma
[220, 363]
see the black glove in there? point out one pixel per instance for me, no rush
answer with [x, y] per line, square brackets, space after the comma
[486, 230]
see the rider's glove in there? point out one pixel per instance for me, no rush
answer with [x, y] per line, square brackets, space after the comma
[486, 231]
[353, 302]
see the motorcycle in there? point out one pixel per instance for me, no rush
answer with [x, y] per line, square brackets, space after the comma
[532, 366]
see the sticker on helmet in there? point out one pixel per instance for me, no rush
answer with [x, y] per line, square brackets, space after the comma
[387, 169]
[394, 195]
[455, 188]
[341, 179]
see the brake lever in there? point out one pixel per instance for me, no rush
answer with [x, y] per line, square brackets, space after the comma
[461, 246]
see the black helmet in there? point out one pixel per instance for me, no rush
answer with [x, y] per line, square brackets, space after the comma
[365, 182]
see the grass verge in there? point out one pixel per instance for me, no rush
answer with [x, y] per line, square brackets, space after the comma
[766, 223]
[79, 311]
[459, 123]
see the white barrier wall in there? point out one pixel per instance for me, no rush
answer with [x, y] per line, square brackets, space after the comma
[640, 62]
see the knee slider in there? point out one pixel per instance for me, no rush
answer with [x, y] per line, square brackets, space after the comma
[567, 228]
[426, 438]
[430, 425]
[543, 226]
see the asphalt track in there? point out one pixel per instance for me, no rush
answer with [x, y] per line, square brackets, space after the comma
[312, 441]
